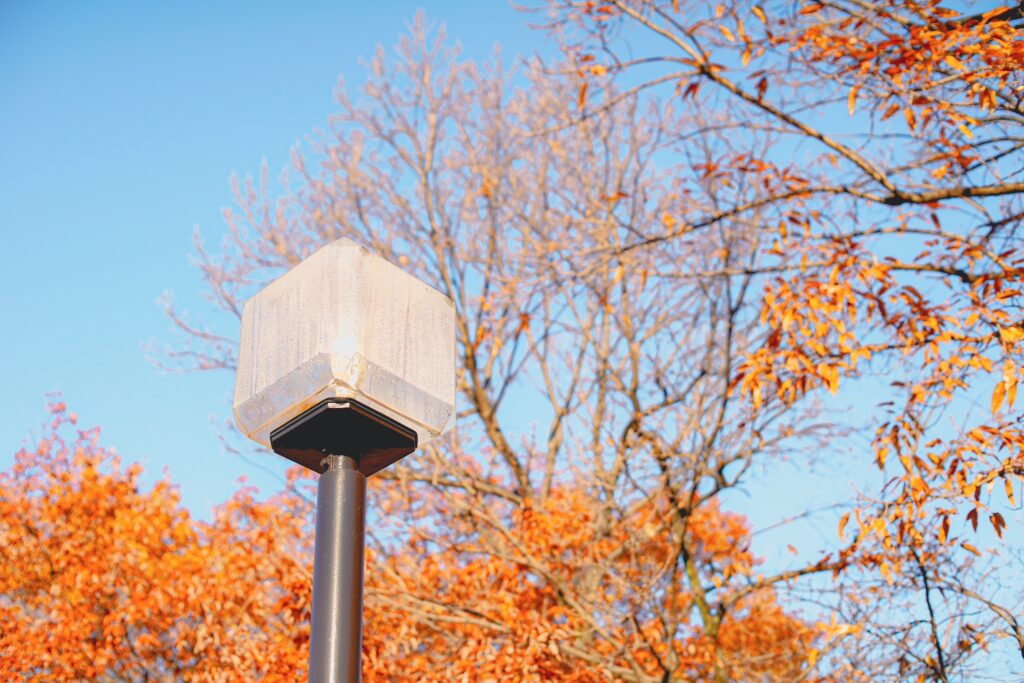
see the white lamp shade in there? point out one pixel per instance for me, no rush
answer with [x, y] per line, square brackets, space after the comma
[346, 323]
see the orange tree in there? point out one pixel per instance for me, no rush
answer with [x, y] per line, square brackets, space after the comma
[594, 395]
[876, 146]
[660, 256]
[103, 579]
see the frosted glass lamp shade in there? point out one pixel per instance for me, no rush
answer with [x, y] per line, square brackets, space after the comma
[346, 324]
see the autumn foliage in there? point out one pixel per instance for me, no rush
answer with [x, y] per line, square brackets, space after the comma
[875, 146]
[102, 580]
[105, 579]
[709, 243]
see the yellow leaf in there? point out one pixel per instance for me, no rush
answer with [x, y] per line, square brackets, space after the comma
[1011, 334]
[842, 524]
[881, 455]
[997, 396]
[954, 62]
[619, 271]
[908, 114]
[965, 130]
[851, 100]
[727, 33]
[759, 13]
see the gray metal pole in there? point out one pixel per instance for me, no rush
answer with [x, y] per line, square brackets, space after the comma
[337, 621]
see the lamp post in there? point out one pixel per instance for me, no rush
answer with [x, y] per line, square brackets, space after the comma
[346, 364]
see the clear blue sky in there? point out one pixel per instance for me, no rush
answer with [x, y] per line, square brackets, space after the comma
[120, 124]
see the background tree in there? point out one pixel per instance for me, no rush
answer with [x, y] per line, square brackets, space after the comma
[888, 180]
[649, 296]
[588, 385]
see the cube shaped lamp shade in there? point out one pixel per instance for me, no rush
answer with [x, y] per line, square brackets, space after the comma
[349, 345]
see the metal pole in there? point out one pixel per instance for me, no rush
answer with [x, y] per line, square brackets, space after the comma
[337, 620]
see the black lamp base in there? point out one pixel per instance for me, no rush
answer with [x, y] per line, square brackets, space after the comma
[338, 426]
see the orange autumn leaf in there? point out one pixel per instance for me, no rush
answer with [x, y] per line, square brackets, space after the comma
[998, 394]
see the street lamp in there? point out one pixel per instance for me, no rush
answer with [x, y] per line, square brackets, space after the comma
[346, 364]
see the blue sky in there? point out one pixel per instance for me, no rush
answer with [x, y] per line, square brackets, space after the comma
[120, 126]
